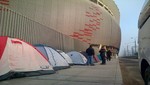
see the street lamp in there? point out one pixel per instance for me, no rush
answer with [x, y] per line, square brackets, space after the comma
[128, 52]
[134, 43]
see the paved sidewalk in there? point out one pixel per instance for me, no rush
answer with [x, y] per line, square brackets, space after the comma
[108, 74]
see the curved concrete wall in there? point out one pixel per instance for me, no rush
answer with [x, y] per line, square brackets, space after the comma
[57, 22]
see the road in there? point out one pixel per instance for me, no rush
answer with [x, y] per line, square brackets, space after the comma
[130, 71]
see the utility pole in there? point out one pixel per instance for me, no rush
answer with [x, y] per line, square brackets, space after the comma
[125, 54]
[132, 50]
[127, 50]
[135, 46]
[134, 43]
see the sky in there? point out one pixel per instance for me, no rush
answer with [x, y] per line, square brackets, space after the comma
[129, 14]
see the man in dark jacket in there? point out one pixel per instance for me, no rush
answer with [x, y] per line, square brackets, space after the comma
[109, 53]
[90, 53]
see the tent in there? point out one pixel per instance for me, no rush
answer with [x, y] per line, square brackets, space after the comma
[77, 58]
[84, 53]
[67, 58]
[55, 58]
[19, 59]
[99, 57]
[95, 59]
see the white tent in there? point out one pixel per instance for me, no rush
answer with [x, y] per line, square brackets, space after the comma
[77, 58]
[67, 58]
[54, 57]
[18, 58]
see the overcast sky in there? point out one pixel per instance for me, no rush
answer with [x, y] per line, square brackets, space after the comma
[129, 14]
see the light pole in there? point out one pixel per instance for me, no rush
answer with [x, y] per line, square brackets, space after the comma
[132, 50]
[134, 43]
[125, 53]
[127, 50]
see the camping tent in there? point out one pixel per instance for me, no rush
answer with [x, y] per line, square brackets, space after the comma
[18, 58]
[67, 58]
[55, 59]
[77, 58]
[95, 59]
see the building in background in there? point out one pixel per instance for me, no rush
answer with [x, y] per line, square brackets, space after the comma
[63, 24]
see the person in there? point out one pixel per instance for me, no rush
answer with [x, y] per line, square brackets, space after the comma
[109, 53]
[90, 53]
[102, 52]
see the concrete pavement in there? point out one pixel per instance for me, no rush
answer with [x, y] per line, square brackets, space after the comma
[109, 74]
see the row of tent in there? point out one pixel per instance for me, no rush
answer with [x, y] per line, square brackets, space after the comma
[19, 59]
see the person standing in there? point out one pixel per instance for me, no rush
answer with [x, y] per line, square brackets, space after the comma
[103, 54]
[109, 53]
[90, 53]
